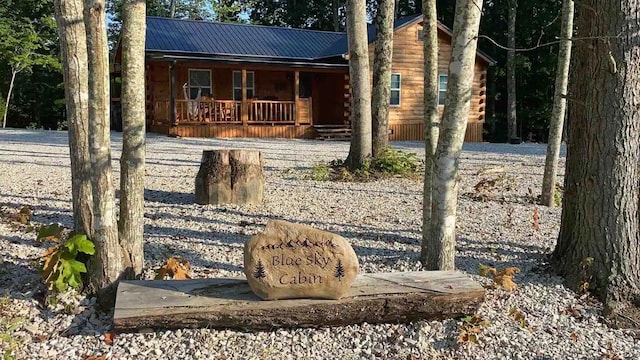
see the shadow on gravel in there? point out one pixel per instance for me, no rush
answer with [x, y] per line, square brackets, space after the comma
[169, 197]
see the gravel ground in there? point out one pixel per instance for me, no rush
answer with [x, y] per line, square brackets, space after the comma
[381, 219]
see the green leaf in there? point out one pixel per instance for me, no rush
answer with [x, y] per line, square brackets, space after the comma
[82, 244]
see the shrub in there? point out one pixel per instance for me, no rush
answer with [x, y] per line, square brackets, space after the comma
[65, 263]
[390, 163]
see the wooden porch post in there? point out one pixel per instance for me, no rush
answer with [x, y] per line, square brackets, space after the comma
[172, 82]
[296, 97]
[244, 107]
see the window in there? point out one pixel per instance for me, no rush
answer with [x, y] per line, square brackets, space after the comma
[396, 83]
[421, 35]
[442, 88]
[237, 85]
[199, 82]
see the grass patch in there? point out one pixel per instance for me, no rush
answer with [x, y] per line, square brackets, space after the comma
[390, 163]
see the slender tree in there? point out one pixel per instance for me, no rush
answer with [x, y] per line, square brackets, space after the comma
[559, 106]
[360, 148]
[431, 117]
[131, 224]
[382, 61]
[69, 14]
[599, 243]
[441, 242]
[107, 265]
[512, 121]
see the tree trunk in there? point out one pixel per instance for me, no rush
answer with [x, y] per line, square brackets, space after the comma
[512, 123]
[360, 148]
[559, 106]
[335, 7]
[131, 225]
[6, 105]
[442, 241]
[230, 177]
[172, 9]
[107, 264]
[382, 75]
[73, 45]
[431, 118]
[598, 242]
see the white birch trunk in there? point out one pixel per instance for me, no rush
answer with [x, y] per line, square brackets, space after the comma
[107, 266]
[73, 45]
[431, 119]
[360, 148]
[131, 225]
[381, 95]
[452, 130]
[6, 105]
[559, 105]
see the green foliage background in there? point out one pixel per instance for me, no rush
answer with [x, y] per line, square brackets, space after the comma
[39, 97]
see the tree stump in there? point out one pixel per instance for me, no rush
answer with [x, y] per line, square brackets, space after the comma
[230, 177]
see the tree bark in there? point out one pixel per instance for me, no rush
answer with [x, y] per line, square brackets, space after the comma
[73, 45]
[382, 61]
[512, 122]
[559, 106]
[131, 225]
[441, 254]
[106, 266]
[431, 118]
[335, 7]
[172, 8]
[230, 177]
[6, 105]
[598, 241]
[360, 148]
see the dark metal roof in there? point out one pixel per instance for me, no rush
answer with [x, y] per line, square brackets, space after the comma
[212, 38]
[195, 37]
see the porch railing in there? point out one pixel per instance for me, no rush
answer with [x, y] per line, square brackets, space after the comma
[269, 111]
[231, 112]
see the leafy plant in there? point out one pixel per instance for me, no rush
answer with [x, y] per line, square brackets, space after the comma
[9, 323]
[175, 268]
[62, 268]
[389, 163]
[520, 318]
[558, 192]
[320, 172]
[470, 328]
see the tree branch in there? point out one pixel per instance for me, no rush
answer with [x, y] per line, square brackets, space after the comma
[537, 46]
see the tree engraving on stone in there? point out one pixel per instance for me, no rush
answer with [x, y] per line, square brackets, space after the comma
[339, 270]
[259, 272]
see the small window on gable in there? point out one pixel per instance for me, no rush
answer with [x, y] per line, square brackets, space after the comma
[420, 34]
[442, 88]
[199, 83]
[237, 85]
[396, 84]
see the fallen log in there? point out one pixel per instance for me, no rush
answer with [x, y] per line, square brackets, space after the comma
[229, 303]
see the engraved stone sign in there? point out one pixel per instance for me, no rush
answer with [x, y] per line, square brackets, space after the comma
[289, 261]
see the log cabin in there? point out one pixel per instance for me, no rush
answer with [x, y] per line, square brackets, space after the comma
[209, 79]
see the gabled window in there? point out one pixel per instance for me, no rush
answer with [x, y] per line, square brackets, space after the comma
[199, 83]
[442, 88]
[237, 85]
[396, 84]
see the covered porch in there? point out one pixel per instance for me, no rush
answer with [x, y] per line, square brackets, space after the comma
[209, 99]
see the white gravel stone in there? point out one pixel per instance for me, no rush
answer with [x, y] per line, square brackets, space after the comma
[382, 220]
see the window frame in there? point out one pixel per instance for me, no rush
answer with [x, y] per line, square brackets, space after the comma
[398, 89]
[440, 76]
[239, 87]
[210, 87]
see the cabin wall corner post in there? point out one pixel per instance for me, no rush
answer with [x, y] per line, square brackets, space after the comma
[172, 81]
[244, 108]
[296, 97]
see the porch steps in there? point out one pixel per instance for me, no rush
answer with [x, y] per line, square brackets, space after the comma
[333, 132]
